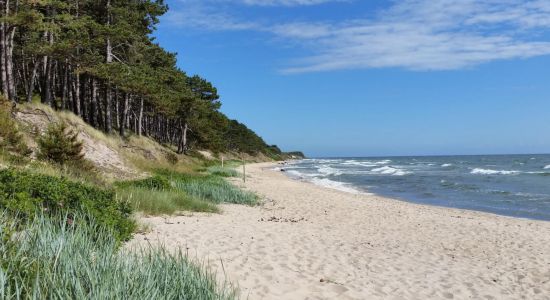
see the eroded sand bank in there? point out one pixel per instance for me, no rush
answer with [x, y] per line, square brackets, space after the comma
[309, 242]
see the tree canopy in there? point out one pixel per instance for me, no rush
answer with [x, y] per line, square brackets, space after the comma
[98, 59]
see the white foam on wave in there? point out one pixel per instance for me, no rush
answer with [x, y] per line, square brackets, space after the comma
[322, 160]
[446, 165]
[328, 170]
[358, 163]
[295, 173]
[547, 167]
[387, 170]
[301, 175]
[493, 172]
[344, 187]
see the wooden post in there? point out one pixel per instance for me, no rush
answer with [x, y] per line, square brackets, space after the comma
[222, 161]
[244, 169]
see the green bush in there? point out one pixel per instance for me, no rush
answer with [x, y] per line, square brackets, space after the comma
[10, 137]
[171, 158]
[24, 194]
[60, 145]
[56, 260]
[156, 182]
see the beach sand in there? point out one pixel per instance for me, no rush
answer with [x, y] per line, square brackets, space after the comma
[310, 242]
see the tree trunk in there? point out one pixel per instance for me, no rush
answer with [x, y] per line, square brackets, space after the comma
[76, 95]
[65, 85]
[109, 59]
[9, 36]
[123, 114]
[47, 75]
[140, 117]
[30, 88]
[94, 108]
[182, 147]
[3, 50]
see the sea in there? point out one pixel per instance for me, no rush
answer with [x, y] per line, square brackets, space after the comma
[510, 185]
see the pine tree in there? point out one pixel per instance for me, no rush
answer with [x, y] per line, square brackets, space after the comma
[60, 145]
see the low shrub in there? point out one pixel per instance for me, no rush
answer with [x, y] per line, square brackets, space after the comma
[23, 193]
[171, 158]
[156, 202]
[60, 145]
[156, 182]
[10, 137]
[51, 259]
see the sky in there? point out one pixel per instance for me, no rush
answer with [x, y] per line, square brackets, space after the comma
[371, 77]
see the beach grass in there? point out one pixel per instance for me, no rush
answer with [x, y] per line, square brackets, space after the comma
[222, 171]
[214, 189]
[163, 201]
[50, 258]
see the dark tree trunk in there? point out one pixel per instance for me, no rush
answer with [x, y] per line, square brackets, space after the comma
[124, 113]
[140, 117]
[94, 107]
[76, 95]
[3, 50]
[30, 87]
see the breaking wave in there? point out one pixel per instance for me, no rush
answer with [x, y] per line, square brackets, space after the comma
[493, 172]
[325, 182]
[387, 170]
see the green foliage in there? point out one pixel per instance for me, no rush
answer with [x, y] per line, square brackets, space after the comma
[157, 202]
[222, 171]
[214, 189]
[168, 192]
[156, 182]
[23, 194]
[52, 259]
[60, 145]
[296, 154]
[155, 195]
[172, 158]
[10, 137]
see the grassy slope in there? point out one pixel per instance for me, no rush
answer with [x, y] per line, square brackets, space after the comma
[194, 184]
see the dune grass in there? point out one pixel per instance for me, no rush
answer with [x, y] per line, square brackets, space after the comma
[214, 189]
[51, 259]
[222, 171]
[165, 201]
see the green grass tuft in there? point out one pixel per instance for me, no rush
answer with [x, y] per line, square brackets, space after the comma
[157, 202]
[214, 189]
[51, 259]
[222, 171]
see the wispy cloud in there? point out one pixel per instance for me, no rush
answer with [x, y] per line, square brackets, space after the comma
[410, 34]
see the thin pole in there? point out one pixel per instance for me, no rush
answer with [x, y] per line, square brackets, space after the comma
[222, 161]
[244, 169]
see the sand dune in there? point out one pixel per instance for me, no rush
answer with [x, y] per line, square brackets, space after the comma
[309, 242]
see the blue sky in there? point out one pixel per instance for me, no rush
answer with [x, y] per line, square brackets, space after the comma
[373, 77]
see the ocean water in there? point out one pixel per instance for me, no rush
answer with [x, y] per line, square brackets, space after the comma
[512, 185]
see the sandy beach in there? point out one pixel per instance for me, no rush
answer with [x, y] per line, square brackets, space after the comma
[310, 242]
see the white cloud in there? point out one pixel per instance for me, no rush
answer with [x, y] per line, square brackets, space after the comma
[410, 34]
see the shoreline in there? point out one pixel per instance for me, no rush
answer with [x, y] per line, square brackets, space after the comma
[390, 198]
[311, 242]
